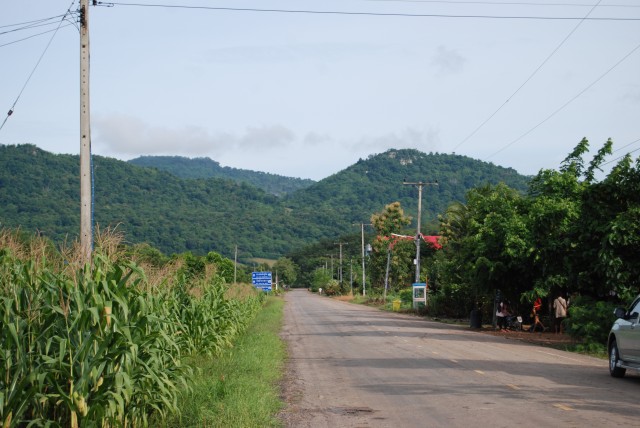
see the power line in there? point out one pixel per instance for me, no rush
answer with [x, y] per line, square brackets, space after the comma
[506, 3]
[390, 14]
[10, 112]
[527, 80]
[565, 104]
[36, 35]
[617, 159]
[37, 21]
[626, 145]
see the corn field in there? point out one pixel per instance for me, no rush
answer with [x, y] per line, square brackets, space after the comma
[93, 347]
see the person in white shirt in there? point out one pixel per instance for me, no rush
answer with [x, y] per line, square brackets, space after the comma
[560, 309]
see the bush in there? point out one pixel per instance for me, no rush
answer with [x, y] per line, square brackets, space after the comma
[452, 300]
[332, 288]
[590, 320]
[406, 295]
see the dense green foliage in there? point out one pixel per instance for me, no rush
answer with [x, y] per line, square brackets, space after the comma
[94, 347]
[206, 168]
[40, 192]
[570, 233]
[590, 320]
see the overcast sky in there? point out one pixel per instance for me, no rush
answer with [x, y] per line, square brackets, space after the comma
[308, 94]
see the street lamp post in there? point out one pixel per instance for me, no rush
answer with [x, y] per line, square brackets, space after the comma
[419, 185]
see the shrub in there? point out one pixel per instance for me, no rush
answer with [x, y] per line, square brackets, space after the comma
[589, 320]
[451, 301]
[406, 295]
[332, 287]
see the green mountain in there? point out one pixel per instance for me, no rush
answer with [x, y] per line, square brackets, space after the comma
[366, 187]
[206, 168]
[39, 191]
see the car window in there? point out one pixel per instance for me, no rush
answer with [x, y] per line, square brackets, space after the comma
[635, 310]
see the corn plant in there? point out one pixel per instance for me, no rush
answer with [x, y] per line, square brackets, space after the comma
[95, 347]
[89, 352]
[207, 323]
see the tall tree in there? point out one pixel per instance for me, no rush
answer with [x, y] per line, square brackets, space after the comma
[287, 270]
[391, 220]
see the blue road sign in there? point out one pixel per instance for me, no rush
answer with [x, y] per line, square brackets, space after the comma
[261, 280]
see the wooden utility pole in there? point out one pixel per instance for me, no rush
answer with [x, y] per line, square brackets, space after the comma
[86, 202]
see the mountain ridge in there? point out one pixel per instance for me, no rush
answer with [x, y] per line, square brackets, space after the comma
[204, 167]
[39, 192]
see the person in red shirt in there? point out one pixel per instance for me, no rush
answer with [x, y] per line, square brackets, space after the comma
[537, 305]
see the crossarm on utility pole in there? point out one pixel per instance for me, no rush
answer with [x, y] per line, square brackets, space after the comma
[419, 185]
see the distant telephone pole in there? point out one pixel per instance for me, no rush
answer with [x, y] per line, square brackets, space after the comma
[235, 267]
[419, 185]
[86, 202]
[340, 274]
[364, 276]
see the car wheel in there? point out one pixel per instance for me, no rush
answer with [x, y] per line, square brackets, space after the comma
[613, 361]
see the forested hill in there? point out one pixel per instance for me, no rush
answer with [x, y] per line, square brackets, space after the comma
[206, 168]
[39, 191]
[367, 186]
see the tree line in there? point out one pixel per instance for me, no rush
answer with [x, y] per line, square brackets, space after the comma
[568, 232]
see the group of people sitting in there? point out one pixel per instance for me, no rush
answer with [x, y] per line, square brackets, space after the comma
[503, 315]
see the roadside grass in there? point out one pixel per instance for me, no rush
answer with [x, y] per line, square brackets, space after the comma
[240, 387]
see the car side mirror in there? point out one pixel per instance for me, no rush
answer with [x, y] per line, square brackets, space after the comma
[620, 312]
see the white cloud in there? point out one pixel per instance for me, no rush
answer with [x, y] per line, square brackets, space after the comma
[128, 135]
[125, 136]
[316, 139]
[424, 141]
[447, 61]
[266, 138]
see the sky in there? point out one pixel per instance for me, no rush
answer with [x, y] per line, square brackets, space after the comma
[306, 88]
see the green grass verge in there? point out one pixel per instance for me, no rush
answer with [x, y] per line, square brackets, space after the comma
[239, 388]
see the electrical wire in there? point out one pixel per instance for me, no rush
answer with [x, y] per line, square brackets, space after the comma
[527, 80]
[390, 14]
[37, 21]
[565, 104]
[10, 112]
[618, 158]
[626, 145]
[506, 3]
[36, 35]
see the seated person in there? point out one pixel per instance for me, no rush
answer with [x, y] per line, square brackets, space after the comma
[501, 315]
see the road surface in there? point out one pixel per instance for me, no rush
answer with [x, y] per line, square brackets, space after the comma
[355, 366]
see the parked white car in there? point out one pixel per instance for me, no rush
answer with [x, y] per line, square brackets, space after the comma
[624, 340]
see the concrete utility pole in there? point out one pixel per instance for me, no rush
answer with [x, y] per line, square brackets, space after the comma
[364, 277]
[86, 203]
[340, 274]
[419, 184]
[235, 266]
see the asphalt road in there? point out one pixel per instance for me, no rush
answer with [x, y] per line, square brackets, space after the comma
[354, 366]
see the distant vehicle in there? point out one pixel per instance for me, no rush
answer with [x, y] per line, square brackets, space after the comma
[624, 340]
